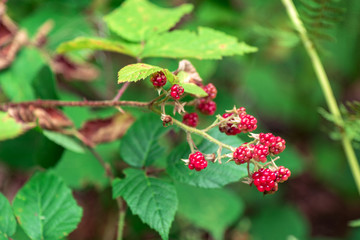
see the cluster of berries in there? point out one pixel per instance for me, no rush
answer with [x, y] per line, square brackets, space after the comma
[237, 122]
[267, 144]
[206, 105]
[197, 161]
[159, 80]
[266, 180]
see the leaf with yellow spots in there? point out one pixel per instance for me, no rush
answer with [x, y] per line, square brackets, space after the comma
[206, 44]
[138, 20]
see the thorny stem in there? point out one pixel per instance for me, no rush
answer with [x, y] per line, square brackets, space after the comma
[120, 202]
[326, 88]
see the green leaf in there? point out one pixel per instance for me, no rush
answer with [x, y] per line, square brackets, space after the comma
[45, 208]
[7, 219]
[139, 146]
[207, 44]
[154, 200]
[215, 175]
[224, 208]
[65, 141]
[138, 20]
[354, 223]
[100, 44]
[138, 71]
[193, 89]
[44, 84]
[9, 128]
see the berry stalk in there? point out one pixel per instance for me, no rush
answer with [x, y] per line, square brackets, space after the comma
[326, 88]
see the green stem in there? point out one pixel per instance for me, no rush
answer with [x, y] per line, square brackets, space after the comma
[326, 88]
[121, 221]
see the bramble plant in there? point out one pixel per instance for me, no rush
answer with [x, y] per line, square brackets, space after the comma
[212, 157]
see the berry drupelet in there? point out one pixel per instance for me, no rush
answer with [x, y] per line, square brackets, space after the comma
[176, 91]
[158, 79]
[197, 161]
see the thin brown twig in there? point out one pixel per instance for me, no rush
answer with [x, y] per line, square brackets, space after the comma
[121, 91]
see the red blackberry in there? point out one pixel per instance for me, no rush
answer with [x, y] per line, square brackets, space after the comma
[206, 107]
[241, 111]
[191, 119]
[176, 91]
[158, 79]
[211, 90]
[282, 174]
[266, 139]
[197, 161]
[277, 146]
[247, 123]
[228, 128]
[264, 180]
[260, 153]
[242, 155]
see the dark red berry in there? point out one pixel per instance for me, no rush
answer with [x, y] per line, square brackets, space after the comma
[206, 107]
[211, 90]
[277, 146]
[260, 153]
[158, 79]
[197, 161]
[176, 91]
[228, 128]
[191, 119]
[282, 174]
[247, 123]
[242, 155]
[264, 180]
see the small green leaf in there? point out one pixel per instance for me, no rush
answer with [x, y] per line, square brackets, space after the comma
[9, 128]
[354, 223]
[139, 147]
[207, 44]
[64, 141]
[194, 89]
[7, 219]
[45, 208]
[100, 44]
[154, 200]
[219, 215]
[138, 20]
[215, 175]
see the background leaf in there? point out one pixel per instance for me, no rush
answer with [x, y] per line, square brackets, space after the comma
[193, 89]
[45, 208]
[9, 128]
[139, 147]
[154, 200]
[7, 219]
[138, 20]
[207, 44]
[65, 141]
[215, 175]
[216, 215]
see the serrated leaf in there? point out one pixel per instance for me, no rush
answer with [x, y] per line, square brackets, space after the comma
[136, 72]
[138, 20]
[65, 141]
[219, 215]
[139, 147]
[45, 208]
[215, 175]
[80, 43]
[9, 128]
[193, 89]
[7, 219]
[154, 200]
[206, 44]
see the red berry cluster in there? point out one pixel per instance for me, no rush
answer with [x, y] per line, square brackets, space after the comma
[197, 161]
[276, 144]
[176, 91]
[266, 180]
[158, 79]
[238, 122]
[206, 105]
[191, 119]
[242, 155]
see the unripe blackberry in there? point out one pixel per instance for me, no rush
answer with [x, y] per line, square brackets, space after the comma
[266, 139]
[206, 107]
[176, 91]
[242, 155]
[241, 111]
[260, 153]
[191, 119]
[211, 90]
[197, 161]
[247, 123]
[282, 174]
[228, 128]
[277, 146]
[264, 180]
[158, 79]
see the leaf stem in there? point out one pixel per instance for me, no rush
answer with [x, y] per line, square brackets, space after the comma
[326, 88]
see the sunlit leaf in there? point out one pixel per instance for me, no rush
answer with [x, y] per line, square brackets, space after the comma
[139, 71]
[9, 128]
[7, 219]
